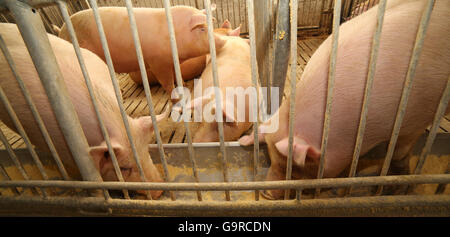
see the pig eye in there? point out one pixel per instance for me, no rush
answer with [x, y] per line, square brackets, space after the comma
[106, 155]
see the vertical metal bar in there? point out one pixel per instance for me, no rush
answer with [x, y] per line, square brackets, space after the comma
[298, 194]
[63, 8]
[254, 68]
[33, 109]
[179, 81]
[331, 78]
[212, 50]
[16, 161]
[293, 17]
[407, 87]
[146, 85]
[281, 48]
[368, 89]
[38, 44]
[440, 112]
[93, 4]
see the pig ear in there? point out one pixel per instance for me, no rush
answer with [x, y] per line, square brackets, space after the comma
[301, 150]
[235, 32]
[226, 24]
[100, 154]
[198, 21]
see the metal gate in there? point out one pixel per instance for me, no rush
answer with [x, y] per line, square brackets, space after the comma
[237, 198]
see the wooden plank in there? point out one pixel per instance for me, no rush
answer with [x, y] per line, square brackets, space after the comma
[445, 125]
[305, 49]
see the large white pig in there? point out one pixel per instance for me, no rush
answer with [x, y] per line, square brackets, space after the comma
[141, 128]
[233, 66]
[190, 32]
[355, 39]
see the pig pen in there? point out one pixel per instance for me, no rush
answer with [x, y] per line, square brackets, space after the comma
[224, 178]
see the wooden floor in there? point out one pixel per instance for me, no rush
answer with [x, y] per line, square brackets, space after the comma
[171, 132]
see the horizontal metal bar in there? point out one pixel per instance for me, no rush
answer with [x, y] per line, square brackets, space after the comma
[426, 205]
[221, 186]
[195, 145]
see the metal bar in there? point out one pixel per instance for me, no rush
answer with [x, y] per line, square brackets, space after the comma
[281, 48]
[93, 4]
[254, 68]
[179, 81]
[426, 205]
[331, 78]
[368, 88]
[63, 9]
[238, 186]
[33, 109]
[15, 160]
[293, 18]
[212, 50]
[37, 42]
[407, 87]
[147, 91]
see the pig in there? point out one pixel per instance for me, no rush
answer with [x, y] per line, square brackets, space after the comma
[141, 128]
[355, 39]
[233, 65]
[190, 31]
[191, 68]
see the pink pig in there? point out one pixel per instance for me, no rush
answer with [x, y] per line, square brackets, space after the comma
[141, 128]
[190, 32]
[355, 39]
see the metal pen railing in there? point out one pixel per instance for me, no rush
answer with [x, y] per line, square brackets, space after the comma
[78, 144]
